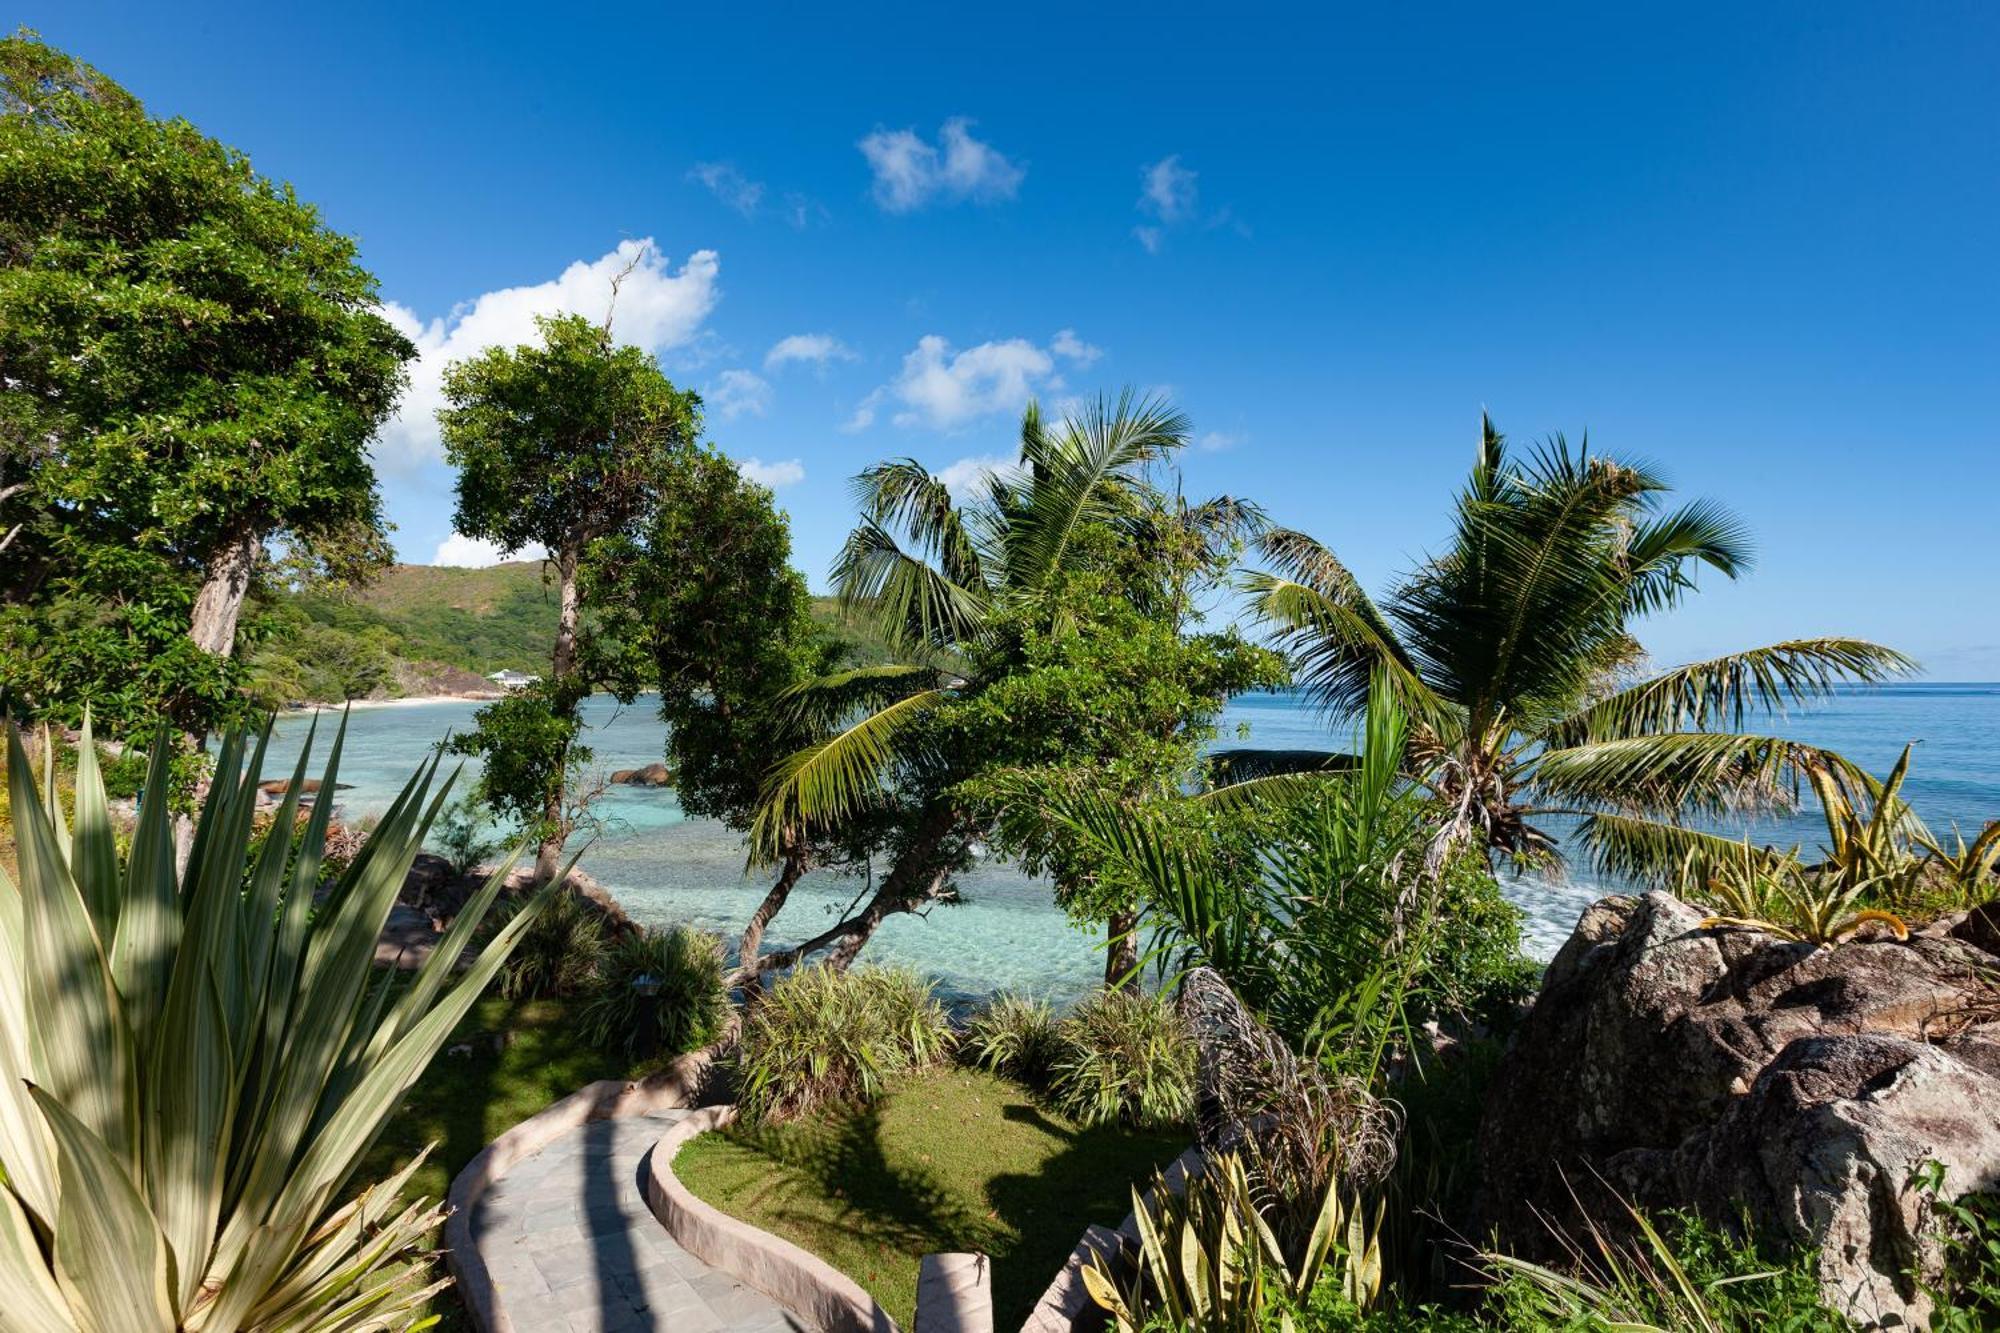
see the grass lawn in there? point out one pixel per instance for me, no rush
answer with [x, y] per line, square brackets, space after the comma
[956, 1160]
[463, 1102]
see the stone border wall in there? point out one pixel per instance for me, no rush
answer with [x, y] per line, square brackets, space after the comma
[803, 1283]
[607, 1099]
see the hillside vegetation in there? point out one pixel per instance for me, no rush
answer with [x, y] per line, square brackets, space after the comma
[428, 629]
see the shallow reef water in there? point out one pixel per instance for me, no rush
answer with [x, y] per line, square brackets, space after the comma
[1007, 935]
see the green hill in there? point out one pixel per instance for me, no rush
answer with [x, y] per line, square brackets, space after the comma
[482, 620]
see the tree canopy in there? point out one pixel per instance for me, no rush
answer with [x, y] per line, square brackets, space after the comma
[193, 364]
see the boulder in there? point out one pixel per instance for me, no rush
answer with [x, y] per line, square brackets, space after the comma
[1730, 1070]
[652, 775]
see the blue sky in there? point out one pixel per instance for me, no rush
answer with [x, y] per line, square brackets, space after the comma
[1753, 245]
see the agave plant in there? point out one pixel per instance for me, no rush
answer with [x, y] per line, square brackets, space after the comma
[1784, 898]
[1513, 652]
[192, 1064]
[1208, 1262]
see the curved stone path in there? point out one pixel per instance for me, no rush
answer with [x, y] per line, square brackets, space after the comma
[571, 1247]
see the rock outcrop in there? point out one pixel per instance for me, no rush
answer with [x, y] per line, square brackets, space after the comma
[652, 775]
[1737, 1073]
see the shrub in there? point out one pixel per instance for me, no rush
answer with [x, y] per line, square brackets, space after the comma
[824, 1036]
[1207, 1261]
[561, 952]
[462, 837]
[193, 1064]
[1125, 1056]
[1015, 1037]
[686, 1010]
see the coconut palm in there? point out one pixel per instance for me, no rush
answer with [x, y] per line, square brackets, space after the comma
[1513, 652]
[929, 573]
[936, 576]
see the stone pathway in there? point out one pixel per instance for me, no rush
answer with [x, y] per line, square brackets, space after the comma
[572, 1248]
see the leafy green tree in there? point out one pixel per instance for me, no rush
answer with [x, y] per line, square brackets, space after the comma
[1513, 651]
[191, 365]
[560, 444]
[702, 603]
[1010, 608]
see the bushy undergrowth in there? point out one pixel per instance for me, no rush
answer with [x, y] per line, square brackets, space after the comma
[1125, 1057]
[560, 954]
[687, 1006]
[822, 1037]
[1967, 1298]
[1016, 1037]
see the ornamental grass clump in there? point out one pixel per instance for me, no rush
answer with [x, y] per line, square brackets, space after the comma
[658, 991]
[826, 1037]
[193, 1064]
[1127, 1058]
[561, 953]
[1015, 1037]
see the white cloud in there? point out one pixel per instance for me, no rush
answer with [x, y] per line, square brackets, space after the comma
[1170, 192]
[944, 390]
[911, 172]
[657, 309]
[818, 348]
[1067, 345]
[1150, 237]
[729, 185]
[1216, 441]
[962, 477]
[477, 553]
[738, 392]
[790, 472]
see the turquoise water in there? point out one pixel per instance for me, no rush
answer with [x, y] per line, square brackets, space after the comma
[665, 867]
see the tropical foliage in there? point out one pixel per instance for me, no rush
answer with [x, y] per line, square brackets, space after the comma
[1208, 1262]
[560, 953]
[658, 992]
[193, 1065]
[1015, 1036]
[1011, 608]
[1878, 862]
[1123, 1057]
[827, 1036]
[1513, 654]
[194, 365]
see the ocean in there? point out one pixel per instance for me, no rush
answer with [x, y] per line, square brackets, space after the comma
[1007, 934]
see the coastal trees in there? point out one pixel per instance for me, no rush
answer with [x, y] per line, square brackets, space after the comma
[561, 445]
[702, 603]
[1023, 632]
[191, 366]
[1512, 650]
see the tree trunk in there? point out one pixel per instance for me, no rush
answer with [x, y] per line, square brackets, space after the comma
[916, 880]
[747, 949]
[220, 601]
[1121, 954]
[562, 665]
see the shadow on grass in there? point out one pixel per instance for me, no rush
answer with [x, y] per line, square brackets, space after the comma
[886, 1181]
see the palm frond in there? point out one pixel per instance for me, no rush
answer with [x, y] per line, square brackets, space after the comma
[1660, 549]
[903, 494]
[1335, 646]
[1660, 855]
[837, 778]
[1722, 692]
[1710, 772]
[819, 704]
[1076, 477]
[910, 603]
[1235, 766]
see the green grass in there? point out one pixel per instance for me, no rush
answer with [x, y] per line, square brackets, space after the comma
[956, 1160]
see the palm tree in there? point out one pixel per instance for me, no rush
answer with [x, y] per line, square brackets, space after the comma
[1512, 651]
[933, 576]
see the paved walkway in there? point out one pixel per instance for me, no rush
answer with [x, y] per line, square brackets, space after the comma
[572, 1247]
